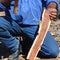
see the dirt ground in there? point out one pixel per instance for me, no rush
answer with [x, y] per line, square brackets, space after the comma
[55, 30]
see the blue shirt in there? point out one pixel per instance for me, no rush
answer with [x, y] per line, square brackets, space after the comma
[29, 11]
[59, 6]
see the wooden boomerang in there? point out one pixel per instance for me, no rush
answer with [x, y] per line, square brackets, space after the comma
[43, 29]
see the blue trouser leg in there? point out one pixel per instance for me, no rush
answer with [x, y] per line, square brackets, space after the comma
[49, 48]
[7, 29]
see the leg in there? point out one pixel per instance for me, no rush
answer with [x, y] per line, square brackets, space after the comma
[50, 47]
[6, 36]
[28, 37]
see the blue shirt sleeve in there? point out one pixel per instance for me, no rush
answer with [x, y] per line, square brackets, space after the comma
[46, 2]
[2, 7]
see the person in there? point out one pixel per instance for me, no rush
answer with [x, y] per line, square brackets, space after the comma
[25, 23]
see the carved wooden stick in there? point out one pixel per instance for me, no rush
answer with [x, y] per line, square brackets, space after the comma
[43, 29]
[15, 6]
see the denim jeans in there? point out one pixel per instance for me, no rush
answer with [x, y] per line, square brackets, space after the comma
[9, 29]
[14, 56]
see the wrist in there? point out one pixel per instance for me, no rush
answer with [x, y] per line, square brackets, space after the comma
[52, 5]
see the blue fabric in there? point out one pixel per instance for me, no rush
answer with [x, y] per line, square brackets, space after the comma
[49, 48]
[2, 7]
[46, 2]
[46, 49]
[30, 10]
[8, 31]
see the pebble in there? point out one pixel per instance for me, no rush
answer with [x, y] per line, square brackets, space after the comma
[55, 30]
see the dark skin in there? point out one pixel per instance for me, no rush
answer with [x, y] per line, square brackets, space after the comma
[5, 2]
[52, 10]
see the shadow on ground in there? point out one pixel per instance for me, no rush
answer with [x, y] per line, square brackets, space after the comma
[3, 51]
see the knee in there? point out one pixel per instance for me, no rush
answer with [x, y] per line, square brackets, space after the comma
[54, 52]
[2, 30]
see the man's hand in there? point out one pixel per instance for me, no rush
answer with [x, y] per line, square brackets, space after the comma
[52, 13]
[52, 10]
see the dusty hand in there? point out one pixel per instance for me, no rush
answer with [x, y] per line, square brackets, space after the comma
[52, 10]
[52, 13]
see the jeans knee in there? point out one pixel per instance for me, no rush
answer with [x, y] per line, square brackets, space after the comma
[54, 53]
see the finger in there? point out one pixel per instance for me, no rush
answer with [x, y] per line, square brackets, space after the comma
[54, 14]
[52, 17]
[54, 10]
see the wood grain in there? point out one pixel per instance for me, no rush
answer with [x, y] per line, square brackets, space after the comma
[43, 29]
